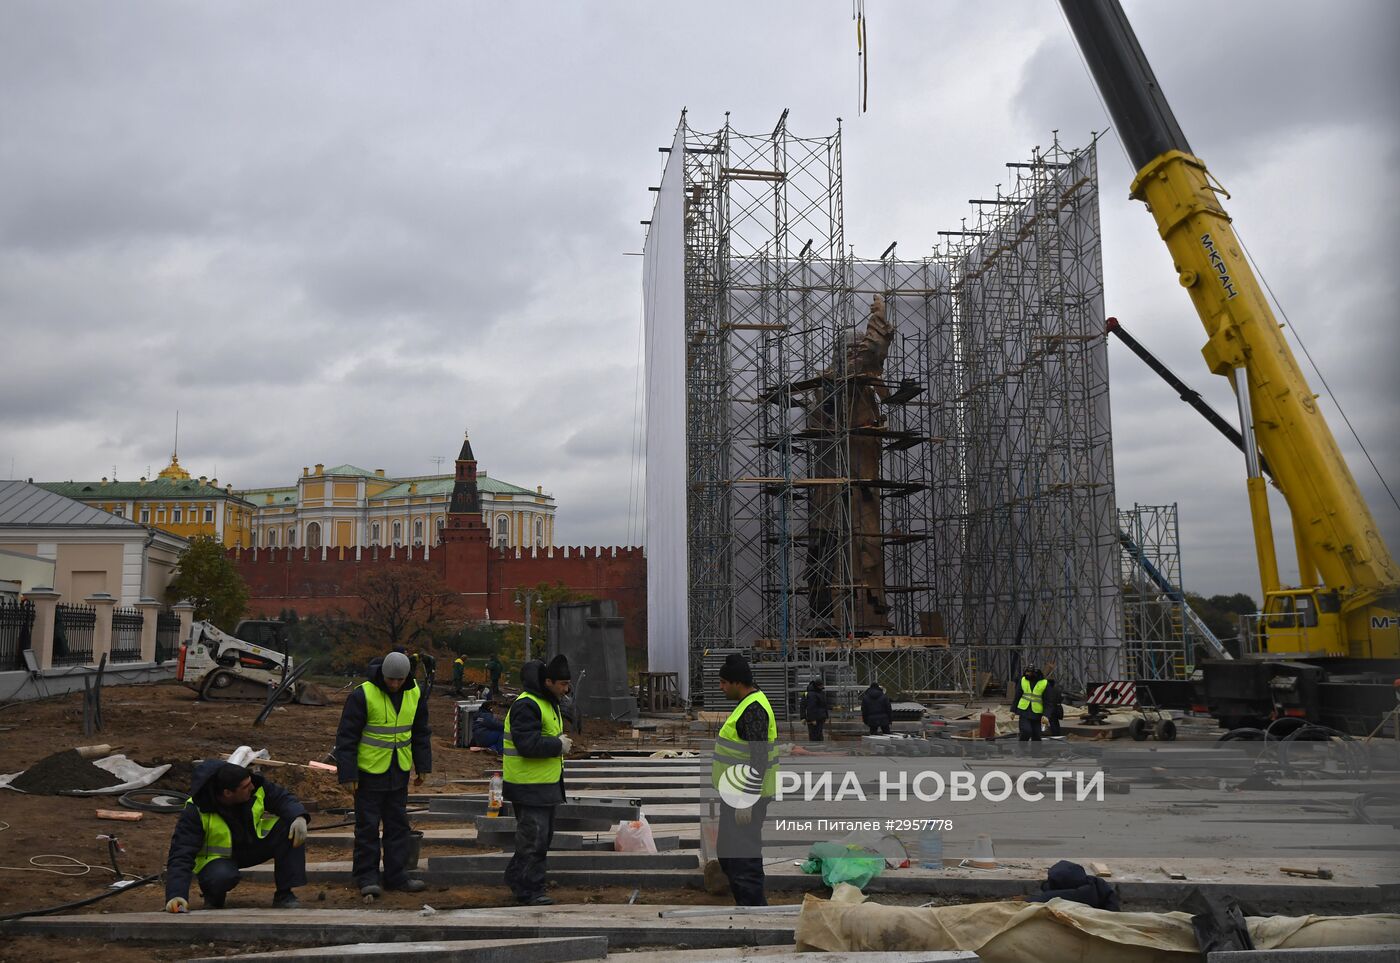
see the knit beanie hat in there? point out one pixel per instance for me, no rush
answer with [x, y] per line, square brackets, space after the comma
[736, 669]
[558, 669]
[395, 666]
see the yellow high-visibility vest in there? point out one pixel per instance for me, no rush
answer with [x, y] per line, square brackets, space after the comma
[218, 839]
[1031, 695]
[730, 750]
[522, 769]
[387, 731]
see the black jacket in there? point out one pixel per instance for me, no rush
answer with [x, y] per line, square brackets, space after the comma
[188, 838]
[875, 708]
[817, 708]
[527, 733]
[352, 724]
[1068, 880]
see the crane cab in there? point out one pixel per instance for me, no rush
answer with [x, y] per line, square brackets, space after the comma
[1301, 623]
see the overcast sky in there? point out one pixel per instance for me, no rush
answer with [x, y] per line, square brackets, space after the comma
[344, 231]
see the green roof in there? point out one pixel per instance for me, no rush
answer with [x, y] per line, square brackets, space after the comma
[426, 486]
[280, 496]
[495, 486]
[443, 485]
[155, 488]
[349, 470]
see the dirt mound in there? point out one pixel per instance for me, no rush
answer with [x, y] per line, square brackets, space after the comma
[63, 771]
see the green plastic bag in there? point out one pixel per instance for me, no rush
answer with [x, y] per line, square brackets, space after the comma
[843, 864]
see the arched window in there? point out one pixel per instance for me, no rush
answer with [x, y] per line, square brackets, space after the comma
[374, 534]
[313, 535]
[441, 524]
[253, 538]
[418, 531]
[502, 530]
[272, 538]
[291, 536]
[539, 533]
[398, 533]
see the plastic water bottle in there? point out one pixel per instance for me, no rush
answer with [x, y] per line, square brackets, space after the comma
[931, 849]
[495, 793]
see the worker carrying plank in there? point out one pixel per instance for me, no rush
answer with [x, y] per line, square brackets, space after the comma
[233, 819]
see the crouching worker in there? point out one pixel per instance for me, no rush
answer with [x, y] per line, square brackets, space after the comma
[488, 732]
[234, 819]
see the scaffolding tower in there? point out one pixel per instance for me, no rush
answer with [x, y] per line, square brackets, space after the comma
[897, 467]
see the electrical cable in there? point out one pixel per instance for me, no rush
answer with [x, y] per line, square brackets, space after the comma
[45, 911]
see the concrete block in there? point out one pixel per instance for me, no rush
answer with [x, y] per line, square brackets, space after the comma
[623, 926]
[597, 861]
[1389, 953]
[455, 951]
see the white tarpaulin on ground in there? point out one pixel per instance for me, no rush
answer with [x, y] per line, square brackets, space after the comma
[1059, 931]
[133, 775]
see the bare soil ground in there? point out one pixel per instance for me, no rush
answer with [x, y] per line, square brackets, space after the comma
[155, 724]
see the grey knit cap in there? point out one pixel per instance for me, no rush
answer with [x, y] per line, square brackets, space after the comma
[395, 666]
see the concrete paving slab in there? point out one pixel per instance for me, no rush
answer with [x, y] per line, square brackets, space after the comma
[1390, 953]
[596, 862]
[442, 951]
[768, 954]
[624, 926]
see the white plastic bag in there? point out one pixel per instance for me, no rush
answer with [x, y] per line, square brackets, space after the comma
[634, 837]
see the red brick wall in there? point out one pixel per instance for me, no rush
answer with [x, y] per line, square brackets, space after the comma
[285, 578]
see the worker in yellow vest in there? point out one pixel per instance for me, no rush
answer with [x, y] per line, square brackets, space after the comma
[384, 736]
[232, 819]
[532, 758]
[1030, 704]
[745, 772]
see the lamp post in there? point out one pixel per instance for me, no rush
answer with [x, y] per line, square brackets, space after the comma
[526, 598]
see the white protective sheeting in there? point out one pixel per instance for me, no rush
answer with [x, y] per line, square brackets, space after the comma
[1059, 931]
[663, 286]
[133, 775]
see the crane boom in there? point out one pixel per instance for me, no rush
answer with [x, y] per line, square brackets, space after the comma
[1346, 571]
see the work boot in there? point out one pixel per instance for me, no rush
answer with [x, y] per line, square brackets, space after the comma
[285, 899]
[410, 886]
[215, 902]
[371, 889]
[539, 900]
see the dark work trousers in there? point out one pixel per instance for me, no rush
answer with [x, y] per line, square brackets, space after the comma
[1029, 729]
[534, 832]
[289, 867]
[1056, 714]
[372, 807]
[879, 728]
[741, 854]
[814, 731]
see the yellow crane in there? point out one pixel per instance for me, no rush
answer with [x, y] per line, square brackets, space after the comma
[1327, 649]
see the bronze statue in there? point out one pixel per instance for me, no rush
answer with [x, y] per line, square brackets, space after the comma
[843, 423]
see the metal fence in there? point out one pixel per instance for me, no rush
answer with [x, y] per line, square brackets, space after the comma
[167, 636]
[16, 624]
[72, 634]
[126, 635]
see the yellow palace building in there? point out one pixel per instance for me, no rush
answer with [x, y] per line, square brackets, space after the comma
[173, 502]
[346, 506]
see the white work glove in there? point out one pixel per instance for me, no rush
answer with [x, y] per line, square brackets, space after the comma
[296, 832]
[743, 816]
[178, 905]
[567, 743]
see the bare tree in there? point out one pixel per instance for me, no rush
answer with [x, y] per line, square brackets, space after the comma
[404, 605]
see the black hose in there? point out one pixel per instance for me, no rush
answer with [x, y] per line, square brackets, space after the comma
[1249, 734]
[134, 800]
[81, 902]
